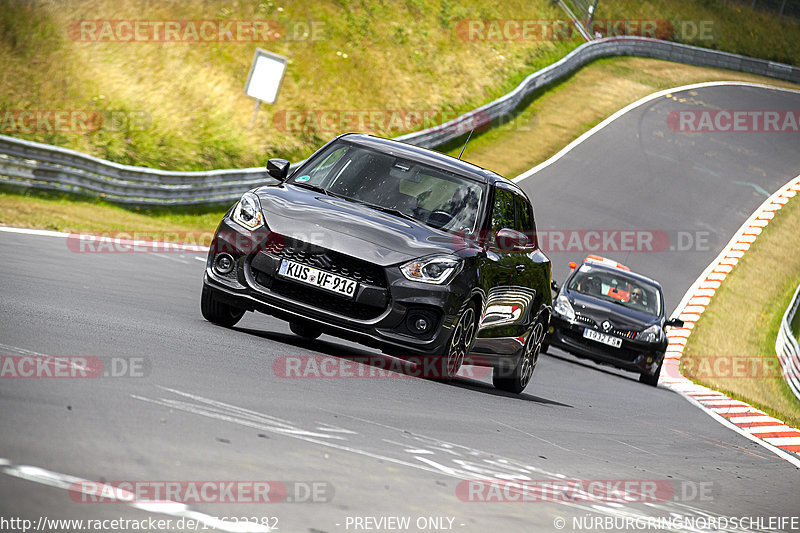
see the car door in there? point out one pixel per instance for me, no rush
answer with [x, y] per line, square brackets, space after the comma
[505, 270]
[502, 263]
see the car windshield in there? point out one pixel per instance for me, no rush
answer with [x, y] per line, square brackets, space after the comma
[614, 286]
[432, 196]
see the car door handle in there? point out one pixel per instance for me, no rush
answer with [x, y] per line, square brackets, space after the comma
[520, 268]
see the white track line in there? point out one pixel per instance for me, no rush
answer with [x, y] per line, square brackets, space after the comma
[705, 282]
[564, 151]
[179, 510]
[100, 241]
[700, 292]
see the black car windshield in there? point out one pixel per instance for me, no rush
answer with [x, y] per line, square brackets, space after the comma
[615, 286]
[432, 196]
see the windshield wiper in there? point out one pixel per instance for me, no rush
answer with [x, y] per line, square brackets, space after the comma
[311, 187]
[390, 210]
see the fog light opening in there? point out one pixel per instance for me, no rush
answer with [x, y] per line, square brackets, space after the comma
[223, 264]
[420, 322]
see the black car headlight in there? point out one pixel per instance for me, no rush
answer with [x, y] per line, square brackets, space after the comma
[438, 269]
[248, 212]
[652, 334]
[564, 308]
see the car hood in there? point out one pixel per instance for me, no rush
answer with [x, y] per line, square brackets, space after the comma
[620, 316]
[350, 228]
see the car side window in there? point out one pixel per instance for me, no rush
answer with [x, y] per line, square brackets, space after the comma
[525, 223]
[503, 210]
[320, 172]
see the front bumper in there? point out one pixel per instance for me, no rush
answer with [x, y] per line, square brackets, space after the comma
[641, 357]
[377, 316]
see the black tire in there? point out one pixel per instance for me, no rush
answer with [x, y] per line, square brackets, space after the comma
[651, 380]
[461, 341]
[305, 330]
[544, 348]
[218, 312]
[522, 374]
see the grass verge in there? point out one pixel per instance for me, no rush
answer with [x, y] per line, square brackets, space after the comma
[71, 215]
[180, 105]
[741, 322]
[554, 117]
[562, 112]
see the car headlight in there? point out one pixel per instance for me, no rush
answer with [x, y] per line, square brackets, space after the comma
[564, 308]
[437, 270]
[248, 212]
[651, 334]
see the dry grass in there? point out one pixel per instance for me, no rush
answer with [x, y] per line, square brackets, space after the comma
[750, 303]
[574, 106]
[369, 55]
[74, 216]
[554, 119]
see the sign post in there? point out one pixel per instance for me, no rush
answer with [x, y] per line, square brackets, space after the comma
[264, 79]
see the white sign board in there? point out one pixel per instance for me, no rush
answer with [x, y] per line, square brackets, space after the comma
[266, 74]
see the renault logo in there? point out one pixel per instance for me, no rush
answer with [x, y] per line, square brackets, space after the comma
[606, 325]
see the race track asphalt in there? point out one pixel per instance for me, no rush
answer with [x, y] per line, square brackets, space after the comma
[211, 406]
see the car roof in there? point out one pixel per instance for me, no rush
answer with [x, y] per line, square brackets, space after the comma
[629, 273]
[425, 155]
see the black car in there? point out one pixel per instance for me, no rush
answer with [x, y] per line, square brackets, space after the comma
[609, 314]
[394, 246]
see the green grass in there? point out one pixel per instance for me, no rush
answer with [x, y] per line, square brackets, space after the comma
[182, 105]
[795, 325]
[60, 212]
[554, 118]
[368, 55]
[562, 112]
[745, 313]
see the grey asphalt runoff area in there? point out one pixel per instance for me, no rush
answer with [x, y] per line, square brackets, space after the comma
[212, 407]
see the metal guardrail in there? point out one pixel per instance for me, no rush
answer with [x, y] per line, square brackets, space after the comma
[42, 166]
[787, 348]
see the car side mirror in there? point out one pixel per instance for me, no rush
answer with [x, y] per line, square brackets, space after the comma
[508, 239]
[278, 169]
[554, 285]
[675, 323]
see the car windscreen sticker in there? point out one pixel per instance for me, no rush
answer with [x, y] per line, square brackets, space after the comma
[303, 179]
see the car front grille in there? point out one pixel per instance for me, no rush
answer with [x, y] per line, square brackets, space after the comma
[367, 274]
[575, 339]
[624, 333]
[327, 260]
[321, 299]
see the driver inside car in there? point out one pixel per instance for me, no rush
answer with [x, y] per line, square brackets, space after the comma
[637, 298]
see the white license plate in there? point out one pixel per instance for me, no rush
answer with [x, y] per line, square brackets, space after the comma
[615, 342]
[318, 278]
